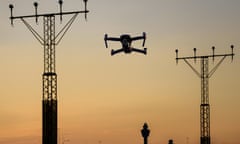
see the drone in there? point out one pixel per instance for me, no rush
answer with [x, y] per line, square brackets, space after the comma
[126, 41]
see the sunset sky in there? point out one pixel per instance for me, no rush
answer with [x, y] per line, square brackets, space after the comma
[106, 99]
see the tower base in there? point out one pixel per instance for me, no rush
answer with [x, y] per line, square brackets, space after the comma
[205, 140]
[49, 135]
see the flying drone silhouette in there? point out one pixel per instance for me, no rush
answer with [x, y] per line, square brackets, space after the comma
[126, 41]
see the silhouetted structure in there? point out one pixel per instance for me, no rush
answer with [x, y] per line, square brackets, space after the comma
[145, 133]
[170, 141]
[49, 77]
[204, 75]
[126, 41]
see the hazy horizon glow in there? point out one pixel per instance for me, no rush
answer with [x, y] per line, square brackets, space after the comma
[106, 100]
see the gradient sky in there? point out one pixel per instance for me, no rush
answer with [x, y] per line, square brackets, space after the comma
[106, 100]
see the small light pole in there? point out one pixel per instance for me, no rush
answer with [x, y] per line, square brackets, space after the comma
[145, 133]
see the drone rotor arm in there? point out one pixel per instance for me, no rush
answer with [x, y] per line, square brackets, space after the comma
[113, 52]
[137, 38]
[140, 51]
[112, 39]
[140, 37]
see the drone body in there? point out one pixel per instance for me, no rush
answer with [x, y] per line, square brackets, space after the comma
[126, 41]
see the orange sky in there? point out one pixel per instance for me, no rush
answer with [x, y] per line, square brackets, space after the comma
[104, 99]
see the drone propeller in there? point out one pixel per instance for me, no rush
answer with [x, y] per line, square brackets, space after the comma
[11, 9]
[36, 5]
[105, 39]
[144, 38]
[85, 2]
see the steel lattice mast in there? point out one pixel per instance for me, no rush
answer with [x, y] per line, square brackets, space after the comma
[204, 75]
[49, 40]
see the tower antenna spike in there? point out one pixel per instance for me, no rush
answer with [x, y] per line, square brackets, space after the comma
[36, 13]
[195, 50]
[85, 7]
[60, 4]
[11, 11]
[232, 47]
[176, 56]
[213, 55]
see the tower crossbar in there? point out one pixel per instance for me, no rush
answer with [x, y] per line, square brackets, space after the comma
[204, 75]
[49, 40]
